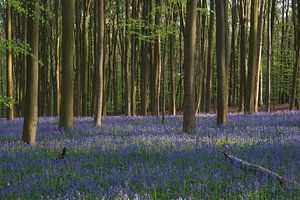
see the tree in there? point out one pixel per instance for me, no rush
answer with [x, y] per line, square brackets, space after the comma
[189, 119]
[243, 40]
[222, 91]
[100, 62]
[211, 34]
[66, 109]
[297, 53]
[9, 62]
[31, 96]
[57, 54]
[252, 62]
[271, 13]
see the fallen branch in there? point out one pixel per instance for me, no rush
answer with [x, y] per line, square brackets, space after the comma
[256, 168]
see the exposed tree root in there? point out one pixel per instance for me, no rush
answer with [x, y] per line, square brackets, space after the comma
[256, 168]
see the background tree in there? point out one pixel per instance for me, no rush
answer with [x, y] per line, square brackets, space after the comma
[9, 62]
[222, 95]
[252, 60]
[66, 112]
[31, 96]
[297, 53]
[211, 34]
[189, 120]
[100, 61]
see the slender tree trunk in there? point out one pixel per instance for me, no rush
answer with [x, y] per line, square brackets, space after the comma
[85, 54]
[100, 62]
[222, 93]
[57, 55]
[145, 60]
[252, 63]
[9, 63]
[297, 53]
[134, 58]
[23, 63]
[172, 86]
[189, 119]
[78, 90]
[67, 99]
[211, 34]
[126, 64]
[232, 64]
[31, 96]
[157, 60]
[201, 63]
[259, 54]
[271, 14]
[243, 42]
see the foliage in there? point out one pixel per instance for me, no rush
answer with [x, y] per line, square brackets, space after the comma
[140, 158]
[6, 101]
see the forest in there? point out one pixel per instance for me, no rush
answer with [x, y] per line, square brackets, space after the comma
[149, 99]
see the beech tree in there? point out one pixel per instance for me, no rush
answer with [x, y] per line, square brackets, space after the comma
[9, 61]
[31, 96]
[252, 59]
[100, 62]
[189, 119]
[222, 93]
[66, 109]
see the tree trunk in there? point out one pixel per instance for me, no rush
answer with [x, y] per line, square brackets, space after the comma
[201, 63]
[297, 53]
[172, 86]
[232, 65]
[66, 109]
[271, 14]
[100, 62]
[31, 97]
[211, 34]
[9, 63]
[126, 64]
[156, 72]
[57, 55]
[189, 119]
[85, 54]
[134, 59]
[222, 93]
[243, 42]
[252, 63]
[259, 54]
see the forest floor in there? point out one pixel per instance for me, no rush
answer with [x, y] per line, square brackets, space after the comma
[141, 158]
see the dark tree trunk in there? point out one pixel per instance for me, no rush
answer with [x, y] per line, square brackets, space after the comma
[222, 93]
[67, 99]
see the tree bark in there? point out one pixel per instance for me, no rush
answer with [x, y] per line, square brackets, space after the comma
[9, 63]
[67, 99]
[31, 97]
[172, 86]
[259, 54]
[222, 93]
[297, 53]
[252, 63]
[211, 34]
[243, 42]
[189, 119]
[100, 62]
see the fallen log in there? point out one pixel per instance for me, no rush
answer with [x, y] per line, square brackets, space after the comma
[256, 168]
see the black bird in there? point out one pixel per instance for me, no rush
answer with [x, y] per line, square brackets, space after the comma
[63, 154]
